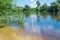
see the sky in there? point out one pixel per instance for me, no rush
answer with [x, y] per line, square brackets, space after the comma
[32, 3]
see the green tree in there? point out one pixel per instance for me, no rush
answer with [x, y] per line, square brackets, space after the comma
[5, 6]
[5, 9]
[44, 7]
[53, 4]
[58, 1]
[26, 8]
[53, 7]
[17, 12]
[38, 5]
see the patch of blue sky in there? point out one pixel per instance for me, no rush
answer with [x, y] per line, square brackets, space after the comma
[32, 3]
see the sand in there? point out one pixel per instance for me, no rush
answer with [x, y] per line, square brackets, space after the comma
[7, 33]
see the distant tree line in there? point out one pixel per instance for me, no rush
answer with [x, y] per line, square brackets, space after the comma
[7, 7]
[54, 7]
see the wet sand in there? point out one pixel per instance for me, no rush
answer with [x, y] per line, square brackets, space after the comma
[7, 33]
[51, 38]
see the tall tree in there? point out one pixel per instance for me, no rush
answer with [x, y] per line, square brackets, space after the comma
[53, 7]
[58, 1]
[53, 4]
[43, 7]
[38, 5]
[26, 8]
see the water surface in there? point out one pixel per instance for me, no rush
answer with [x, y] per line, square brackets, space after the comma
[43, 24]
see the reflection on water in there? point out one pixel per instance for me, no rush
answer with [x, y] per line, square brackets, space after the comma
[46, 26]
[42, 24]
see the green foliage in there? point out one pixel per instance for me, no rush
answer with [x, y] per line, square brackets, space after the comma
[8, 8]
[54, 4]
[58, 1]
[38, 3]
[43, 7]
[54, 7]
[26, 8]
[5, 6]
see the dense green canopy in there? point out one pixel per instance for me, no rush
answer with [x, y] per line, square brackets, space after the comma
[5, 6]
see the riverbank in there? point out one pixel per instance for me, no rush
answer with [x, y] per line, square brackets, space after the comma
[7, 33]
[11, 33]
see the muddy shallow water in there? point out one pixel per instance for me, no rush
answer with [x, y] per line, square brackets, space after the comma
[7, 33]
[16, 33]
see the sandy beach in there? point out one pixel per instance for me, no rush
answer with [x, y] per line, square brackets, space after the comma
[7, 33]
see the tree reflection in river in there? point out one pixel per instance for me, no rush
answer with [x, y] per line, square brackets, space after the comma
[37, 23]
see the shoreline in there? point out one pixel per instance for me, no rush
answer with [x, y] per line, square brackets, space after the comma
[10, 33]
